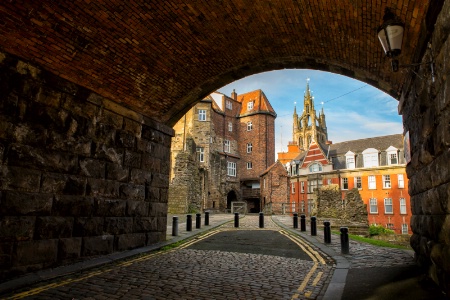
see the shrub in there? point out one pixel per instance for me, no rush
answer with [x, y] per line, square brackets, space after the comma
[377, 230]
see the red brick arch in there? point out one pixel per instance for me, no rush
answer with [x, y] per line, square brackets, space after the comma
[159, 58]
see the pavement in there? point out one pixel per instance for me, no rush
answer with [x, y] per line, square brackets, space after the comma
[367, 272]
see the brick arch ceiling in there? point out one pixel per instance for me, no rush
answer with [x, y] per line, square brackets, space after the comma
[160, 57]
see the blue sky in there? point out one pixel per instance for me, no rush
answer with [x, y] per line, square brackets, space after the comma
[364, 112]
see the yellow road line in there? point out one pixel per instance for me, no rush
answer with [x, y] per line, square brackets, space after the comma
[319, 275]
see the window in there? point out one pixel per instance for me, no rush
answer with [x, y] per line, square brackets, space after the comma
[230, 126]
[358, 183]
[315, 167]
[249, 126]
[350, 163]
[403, 206]
[264, 183]
[386, 181]
[231, 169]
[401, 182]
[250, 105]
[229, 105]
[350, 160]
[373, 205]
[329, 181]
[345, 183]
[392, 155]
[390, 226]
[227, 147]
[393, 159]
[202, 114]
[249, 165]
[303, 187]
[294, 169]
[370, 157]
[404, 228]
[388, 209]
[201, 154]
[314, 185]
[249, 148]
[372, 182]
[293, 188]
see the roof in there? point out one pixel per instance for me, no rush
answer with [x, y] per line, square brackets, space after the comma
[273, 166]
[358, 146]
[260, 103]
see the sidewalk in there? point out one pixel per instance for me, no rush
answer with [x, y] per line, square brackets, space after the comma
[368, 271]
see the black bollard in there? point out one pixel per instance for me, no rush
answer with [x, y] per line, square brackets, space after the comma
[295, 220]
[236, 220]
[327, 232]
[344, 241]
[261, 220]
[189, 223]
[313, 226]
[174, 226]
[198, 221]
[302, 223]
[206, 218]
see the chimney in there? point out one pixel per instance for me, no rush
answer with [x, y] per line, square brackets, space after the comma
[234, 95]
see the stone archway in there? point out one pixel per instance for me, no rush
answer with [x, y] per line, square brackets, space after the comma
[231, 197]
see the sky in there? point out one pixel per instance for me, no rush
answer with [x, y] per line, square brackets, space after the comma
[353, 109]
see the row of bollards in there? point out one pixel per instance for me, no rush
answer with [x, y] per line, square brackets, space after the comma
[198, 220]
[326, 231]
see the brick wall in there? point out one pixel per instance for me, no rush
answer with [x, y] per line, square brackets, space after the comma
[79, 175]
[262, 138]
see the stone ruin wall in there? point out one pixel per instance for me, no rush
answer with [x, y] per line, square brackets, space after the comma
[351, 211]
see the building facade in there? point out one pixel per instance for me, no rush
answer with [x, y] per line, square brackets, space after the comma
[234, 142]
[373, 166]
[275, 189]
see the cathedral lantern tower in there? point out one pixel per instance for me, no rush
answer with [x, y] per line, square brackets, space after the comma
[308, 126]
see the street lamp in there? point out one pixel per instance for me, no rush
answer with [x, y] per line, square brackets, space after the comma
[390, 34]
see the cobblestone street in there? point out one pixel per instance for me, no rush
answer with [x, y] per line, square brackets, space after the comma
[183, 273]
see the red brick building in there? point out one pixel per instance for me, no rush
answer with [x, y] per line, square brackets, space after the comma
[275, 189]
[235, 142]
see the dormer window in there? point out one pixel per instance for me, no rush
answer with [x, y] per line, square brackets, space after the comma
[370, 157]
[392, 155]
[250, 105]
[350, 160]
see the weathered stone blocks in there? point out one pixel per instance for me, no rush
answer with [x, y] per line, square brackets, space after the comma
[72, 181]
[97, 245]
[19, 203]
[130, 241]
[34, 252]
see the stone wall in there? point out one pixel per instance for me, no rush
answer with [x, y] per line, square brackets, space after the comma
[329, 204]
[186, 190]
[426, 115]
[80, 176]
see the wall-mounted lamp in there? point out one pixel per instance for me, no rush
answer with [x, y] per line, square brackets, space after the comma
[390, 34]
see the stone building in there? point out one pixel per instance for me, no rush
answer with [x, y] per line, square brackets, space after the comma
[373, 166]
[234, 141]
[275, 189]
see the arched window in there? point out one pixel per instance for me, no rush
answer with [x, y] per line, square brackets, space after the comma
[315, 167]
[309, 140]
